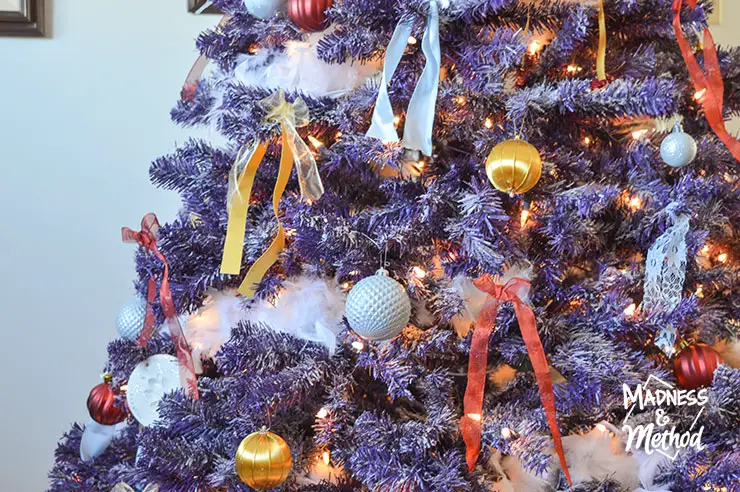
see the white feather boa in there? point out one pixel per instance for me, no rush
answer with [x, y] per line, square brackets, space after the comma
[595, 456]
[307, 308]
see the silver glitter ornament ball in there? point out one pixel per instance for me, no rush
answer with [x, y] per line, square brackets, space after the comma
[678, 149]
[378, 307]
[130, 319]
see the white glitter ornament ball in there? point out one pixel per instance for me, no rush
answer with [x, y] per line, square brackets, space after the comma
[378, 307]
[678, 149]
[130, 319]
[148, 383]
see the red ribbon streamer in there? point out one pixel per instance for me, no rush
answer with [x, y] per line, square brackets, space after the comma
[710, 82]
[147, 239]
[470, 424]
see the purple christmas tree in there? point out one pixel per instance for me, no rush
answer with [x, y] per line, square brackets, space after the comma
[593, 237]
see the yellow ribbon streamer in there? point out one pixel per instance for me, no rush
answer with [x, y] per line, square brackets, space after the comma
[270, 256]
[601, 53]
[294, 151]
[231, 261]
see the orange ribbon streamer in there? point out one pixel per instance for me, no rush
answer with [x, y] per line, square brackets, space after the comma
[709, 84]
[147, 239]
[470, 424]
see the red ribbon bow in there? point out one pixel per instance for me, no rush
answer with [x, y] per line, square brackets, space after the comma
[470, 424]
[708, 83]
[147, 239]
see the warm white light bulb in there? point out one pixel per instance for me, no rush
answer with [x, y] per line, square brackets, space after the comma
[534, 47]
[524, 218]
[315, 142]
[634, 203]
[699, 292]
[630, 310]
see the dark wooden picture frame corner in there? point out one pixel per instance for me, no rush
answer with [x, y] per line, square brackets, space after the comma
[196, 6]
[29, 21]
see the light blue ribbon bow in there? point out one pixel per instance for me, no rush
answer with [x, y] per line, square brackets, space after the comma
[417, 132]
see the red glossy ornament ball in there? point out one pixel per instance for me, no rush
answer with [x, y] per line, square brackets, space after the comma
[694, 366]
[101, 404]
[309, 15]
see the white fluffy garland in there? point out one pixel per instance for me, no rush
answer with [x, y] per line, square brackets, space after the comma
[308, 308]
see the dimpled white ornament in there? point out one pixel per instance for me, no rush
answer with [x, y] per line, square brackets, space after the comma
[130, 319]
[678, 149]
[378, 307]
[264, 8]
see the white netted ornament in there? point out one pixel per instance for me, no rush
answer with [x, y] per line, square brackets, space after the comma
[665, 273]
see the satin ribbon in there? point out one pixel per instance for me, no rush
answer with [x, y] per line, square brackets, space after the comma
[147, 239]
[513, 291]
[710, 82]
[601, 52]
[417, 132]
[241, 178]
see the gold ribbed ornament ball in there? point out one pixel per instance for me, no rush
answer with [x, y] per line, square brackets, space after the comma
[514, 166]
[263, 460]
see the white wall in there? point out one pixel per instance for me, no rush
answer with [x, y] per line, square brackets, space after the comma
[727, 33]
[82, 114]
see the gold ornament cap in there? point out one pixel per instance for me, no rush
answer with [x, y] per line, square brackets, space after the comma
[263, 460]
[514, 166]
